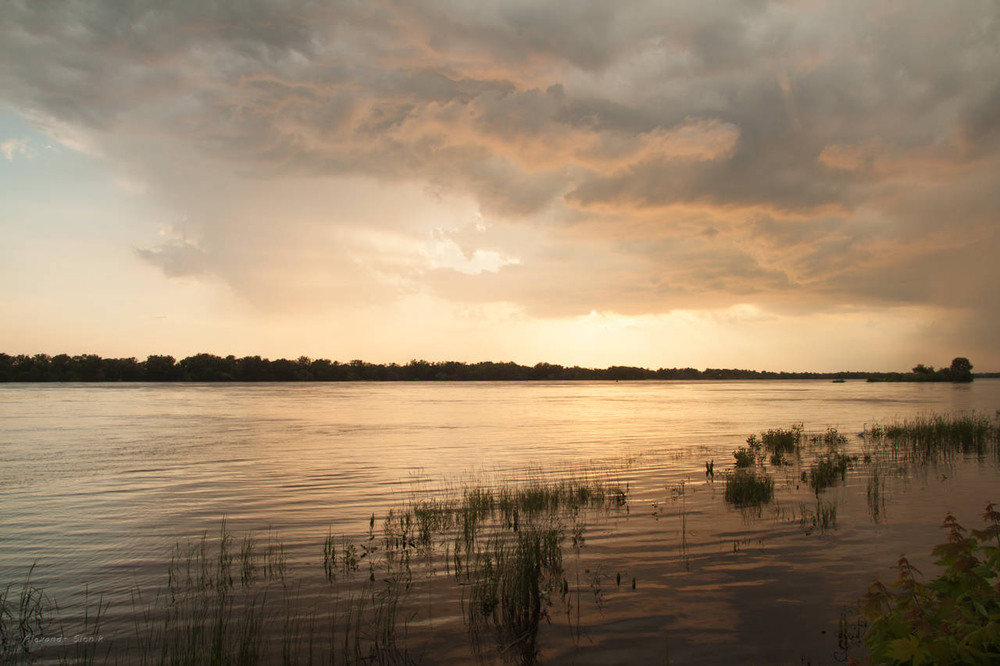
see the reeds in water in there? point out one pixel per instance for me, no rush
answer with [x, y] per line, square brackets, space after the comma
[514, 579]
[782, 442]
[23, 619]
[775, 445]
[748, 488]
[876, 493]
[824, 516]
[828, 469]
[230, 600]
[938, 437]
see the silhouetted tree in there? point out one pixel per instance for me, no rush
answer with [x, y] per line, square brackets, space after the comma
[961, 370]
[123, 370]
[208, 368]
[285, 370]
[419, 370]
[161, 369]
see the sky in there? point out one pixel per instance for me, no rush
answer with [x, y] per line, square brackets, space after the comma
[797, 185]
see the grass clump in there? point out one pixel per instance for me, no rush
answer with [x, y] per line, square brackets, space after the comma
[511, 503]
[782, 441]
[827, 470]
[876, 494]
[747, 488]
[953, 619]
[832, 438]
[931, 438]
[30, 623]
[775, 444]
[513, 582]
[823, 517]
[235, 602]
[745, 457]
[212, 606]
[22, 620]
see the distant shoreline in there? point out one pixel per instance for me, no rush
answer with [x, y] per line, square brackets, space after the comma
[210, 368]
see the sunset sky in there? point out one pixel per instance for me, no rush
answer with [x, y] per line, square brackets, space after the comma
[799, 185]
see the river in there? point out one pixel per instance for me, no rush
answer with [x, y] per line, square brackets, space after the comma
[99, 481]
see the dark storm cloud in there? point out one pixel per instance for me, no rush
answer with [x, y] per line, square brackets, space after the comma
[981, 123]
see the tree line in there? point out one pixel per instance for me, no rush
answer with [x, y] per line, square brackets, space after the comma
[959, 371]
[212, 368]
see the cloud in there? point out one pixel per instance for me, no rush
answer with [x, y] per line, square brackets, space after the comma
[443, 250]
[176, 259]
[12, 147]
[638, 157]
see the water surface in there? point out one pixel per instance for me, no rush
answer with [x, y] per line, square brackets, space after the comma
[99, 481]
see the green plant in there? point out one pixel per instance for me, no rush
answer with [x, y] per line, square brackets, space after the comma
[832, 438]
[826, 470]
[826, 515]
[778, 459]
[86, 642]
[329, 556]
[512, 585]
[876, 494]
[745, 488]
[953, 619]
[22, 620]
[936, 437]
[745, 457]
[781, 442]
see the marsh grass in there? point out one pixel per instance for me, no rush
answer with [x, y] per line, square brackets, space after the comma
[826, 514]
[933, 438]
[782, 442]
[503, 544]
[746, 457]
[88, 641]
[232, 599]
[500, 543]
[23, 619]
[876, 493]
[748, 488]
[30, 623]
[513, 582]
[832, 439]
[828, 469]
[823, 517]
[776, 445]
[213, 604]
